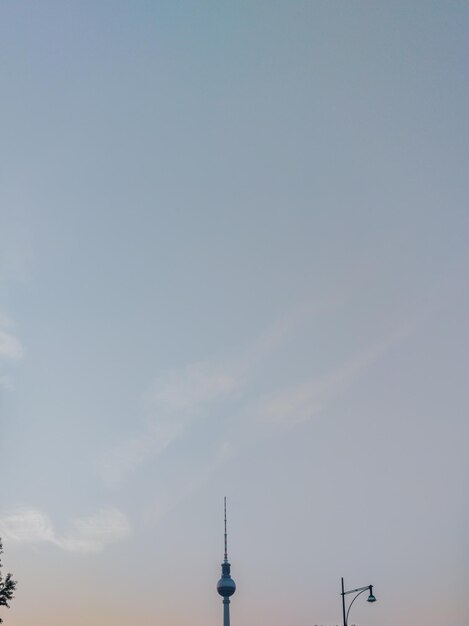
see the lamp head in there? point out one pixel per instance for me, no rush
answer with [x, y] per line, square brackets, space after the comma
[371, 597]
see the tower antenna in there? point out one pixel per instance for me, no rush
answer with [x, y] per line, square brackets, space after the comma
[226, 538]
[226, 586]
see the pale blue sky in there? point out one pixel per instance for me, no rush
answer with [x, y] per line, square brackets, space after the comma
[233, 261]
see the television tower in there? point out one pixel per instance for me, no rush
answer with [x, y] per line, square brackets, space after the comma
[226, 585]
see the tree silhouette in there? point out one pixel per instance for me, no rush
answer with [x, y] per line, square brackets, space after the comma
[7, 586]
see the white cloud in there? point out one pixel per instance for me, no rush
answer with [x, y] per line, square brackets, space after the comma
[88, 534]
[26, 526]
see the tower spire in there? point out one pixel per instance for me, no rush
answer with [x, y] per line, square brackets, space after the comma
[226, 538]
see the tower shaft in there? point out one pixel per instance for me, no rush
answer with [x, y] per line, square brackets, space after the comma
[226, 612]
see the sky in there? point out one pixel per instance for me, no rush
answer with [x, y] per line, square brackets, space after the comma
[233, 262]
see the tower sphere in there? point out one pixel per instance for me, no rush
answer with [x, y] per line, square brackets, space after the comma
[226, 586]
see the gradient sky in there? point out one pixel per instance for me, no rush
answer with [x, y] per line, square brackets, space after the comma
[234, 261]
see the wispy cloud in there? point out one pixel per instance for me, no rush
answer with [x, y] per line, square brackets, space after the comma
[277, 412]
[172, 402]
[186, 390]
[299, 403]
[92, 534]
[277, 333]
[11, 349]
[16, 251]
[176, 400]
[87, 534]
[6, 383]
[10, 346]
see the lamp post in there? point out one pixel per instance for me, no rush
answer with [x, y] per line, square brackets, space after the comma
[359, 591]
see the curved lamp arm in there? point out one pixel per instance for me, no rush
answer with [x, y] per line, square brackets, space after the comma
[350, 605]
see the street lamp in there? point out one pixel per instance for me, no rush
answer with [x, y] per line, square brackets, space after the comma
[359, 591]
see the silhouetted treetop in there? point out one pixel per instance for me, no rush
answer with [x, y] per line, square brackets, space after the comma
[7, 586]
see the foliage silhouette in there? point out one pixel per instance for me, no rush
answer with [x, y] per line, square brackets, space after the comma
[7, 586]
